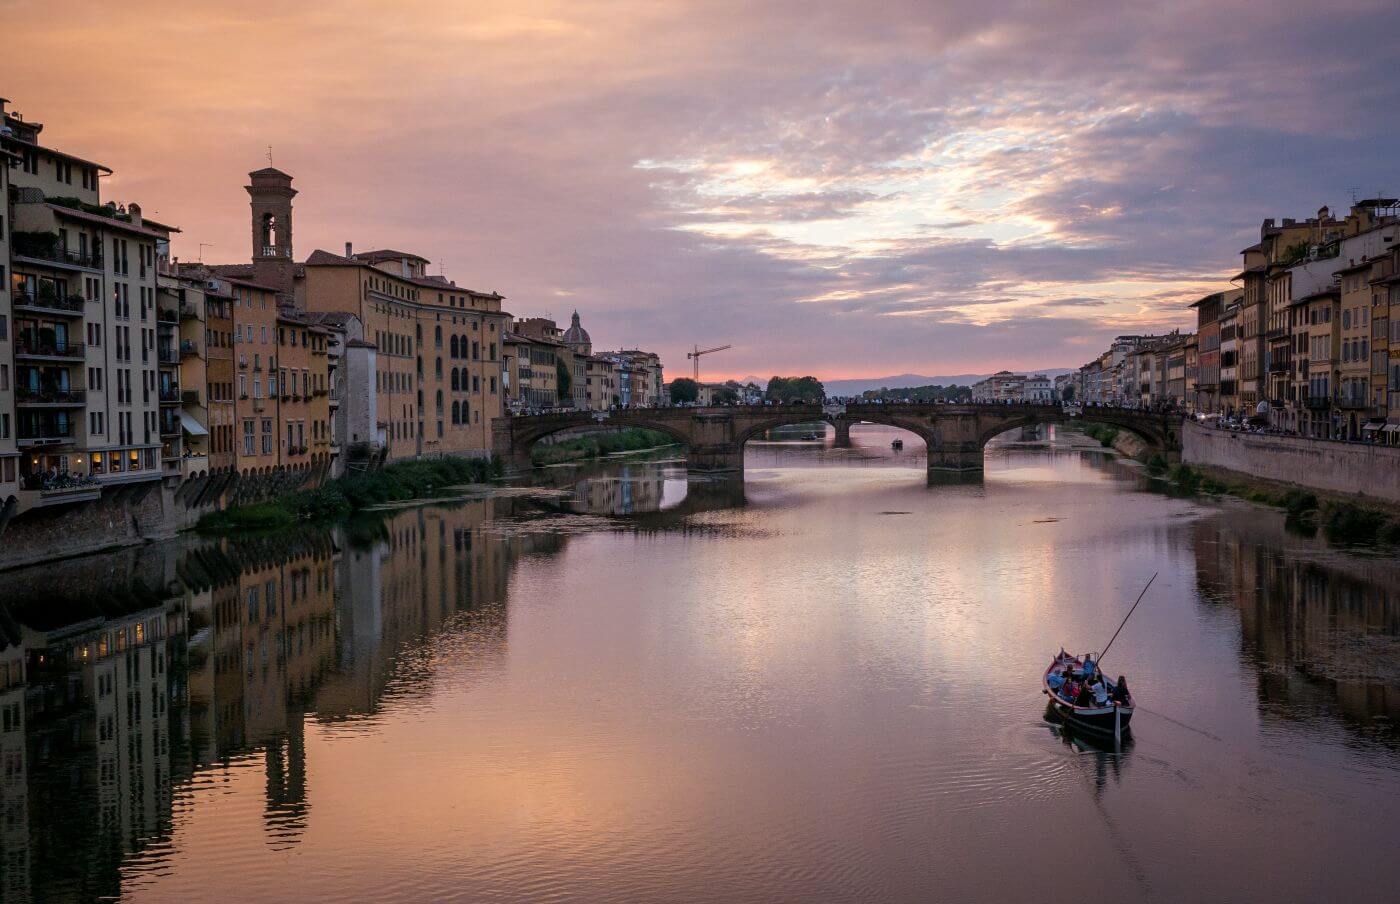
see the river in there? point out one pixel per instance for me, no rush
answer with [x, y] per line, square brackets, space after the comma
[821, 683]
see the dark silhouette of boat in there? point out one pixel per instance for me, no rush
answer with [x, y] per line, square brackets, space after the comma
[1110, 719]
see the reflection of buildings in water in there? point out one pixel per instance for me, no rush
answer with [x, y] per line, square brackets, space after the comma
[1323, 627]
[110, 700]
[14, 786]
[266, 637]
[622, 495]
[96, 727]
[431, 564]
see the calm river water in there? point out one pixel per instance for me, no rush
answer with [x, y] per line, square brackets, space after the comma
[821, 684]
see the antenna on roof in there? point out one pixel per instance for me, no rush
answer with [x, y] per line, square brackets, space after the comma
[202, 246]
[1353, 192]
[269, 155]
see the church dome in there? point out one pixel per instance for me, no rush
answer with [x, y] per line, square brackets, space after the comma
[576, 334]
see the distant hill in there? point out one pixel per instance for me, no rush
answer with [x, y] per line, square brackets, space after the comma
[904, 381]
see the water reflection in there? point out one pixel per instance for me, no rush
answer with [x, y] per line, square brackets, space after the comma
[1321, 627]
[161, 706]
[114, 699]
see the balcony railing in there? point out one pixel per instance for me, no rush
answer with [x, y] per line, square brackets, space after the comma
[168, 315]
[59, 255]
[45, 433]
[1318, 403]
[58, 483]
[190, 397]
[187, 311]
[188, 348]
[168, 355]
[169, 427]
[1280, 367]
[51, 303]
[27, 346]
[170, 395]
[27, 396]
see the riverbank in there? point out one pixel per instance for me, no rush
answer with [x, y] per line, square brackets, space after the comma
[1342, 518]
[596, 445]
[345, 496]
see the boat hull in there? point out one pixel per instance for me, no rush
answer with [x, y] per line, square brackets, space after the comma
[1098, 719]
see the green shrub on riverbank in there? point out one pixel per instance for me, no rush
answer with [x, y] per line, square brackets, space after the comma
[596, 445]
[354, 492]
[1344, 523]
[1101, 432]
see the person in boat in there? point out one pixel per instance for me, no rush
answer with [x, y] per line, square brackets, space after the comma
[1120, 691]
[1070, 690]
[1085, 697]
[1089, 666]
[1057, 680]
[1096, 687]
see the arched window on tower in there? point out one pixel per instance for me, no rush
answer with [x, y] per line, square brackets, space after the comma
[456, 412]
[454, 346]
[454, 380]
[269, 234]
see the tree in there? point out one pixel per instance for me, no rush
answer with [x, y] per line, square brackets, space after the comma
[1067, 394]
[727, 394]
[684, 389]
[564, 380]
[796, 389]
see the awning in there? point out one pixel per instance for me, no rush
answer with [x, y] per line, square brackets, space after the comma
[192, 426]
[1370, 428]
[1392, 428]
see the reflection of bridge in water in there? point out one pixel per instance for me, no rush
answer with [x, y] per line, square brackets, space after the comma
[954, 434]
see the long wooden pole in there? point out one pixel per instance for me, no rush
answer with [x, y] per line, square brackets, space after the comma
[1126, 617]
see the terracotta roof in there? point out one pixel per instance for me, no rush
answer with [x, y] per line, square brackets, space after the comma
[387, 254]
[109, 222]
[360, 343]
[269, 171]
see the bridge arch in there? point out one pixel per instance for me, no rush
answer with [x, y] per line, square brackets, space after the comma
[1139, 427]
[954, 434]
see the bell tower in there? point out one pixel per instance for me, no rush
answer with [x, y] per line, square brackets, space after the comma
[271, 193]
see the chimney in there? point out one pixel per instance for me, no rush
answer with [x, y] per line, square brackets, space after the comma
[134, 211]
[349, 250]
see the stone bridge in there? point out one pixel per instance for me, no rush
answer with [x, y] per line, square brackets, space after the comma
[954, 434]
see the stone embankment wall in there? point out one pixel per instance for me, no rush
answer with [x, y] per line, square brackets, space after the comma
[126, 516]
[1128, 444]
[1348, 469]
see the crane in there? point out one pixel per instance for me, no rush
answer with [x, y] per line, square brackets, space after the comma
[698, 351]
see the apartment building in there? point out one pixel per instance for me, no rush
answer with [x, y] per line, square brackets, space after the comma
[82, 324]
[1229, 402]
[9, 447]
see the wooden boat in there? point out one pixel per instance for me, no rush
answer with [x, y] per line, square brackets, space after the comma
[1111, 719]
[897, 445]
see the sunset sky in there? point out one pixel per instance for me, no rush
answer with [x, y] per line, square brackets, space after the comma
[845, 189]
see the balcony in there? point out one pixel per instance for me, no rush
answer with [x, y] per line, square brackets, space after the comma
[44, 434]
[169, 426]
[50, 303]
[189, 348]
[1318, 403]
[51, 398]
[1352, 402]
[167, 315]
[30, 346]
[44, 246]
[259, 404]
[59, 489]
[190, 397]
[167, 355]
[187, 311]
[1280, 367]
